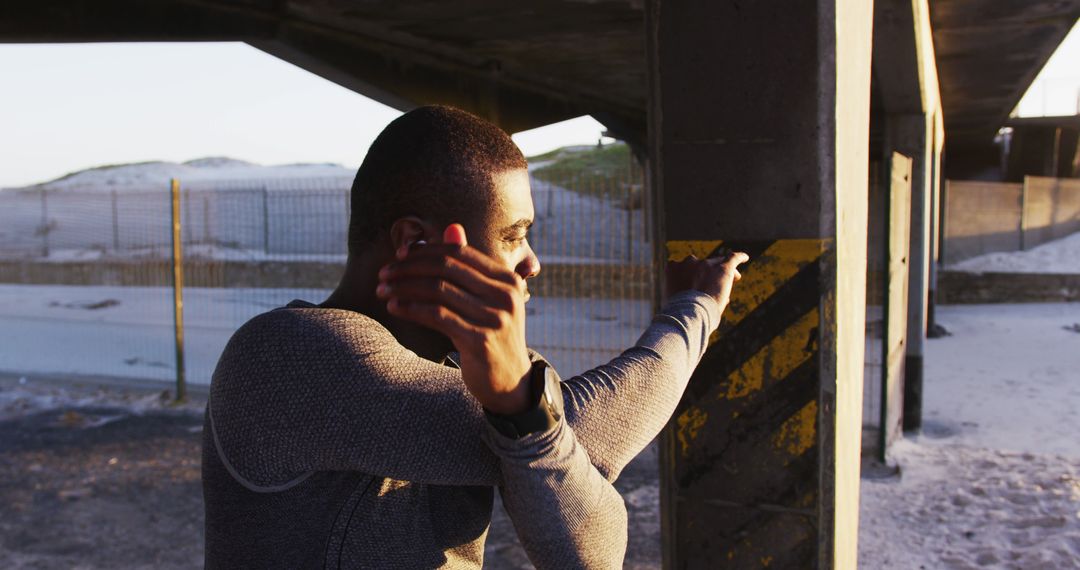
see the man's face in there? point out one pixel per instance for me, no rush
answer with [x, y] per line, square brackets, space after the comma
[505, 235]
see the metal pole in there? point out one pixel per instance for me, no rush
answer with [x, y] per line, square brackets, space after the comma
[266, 220]
[629, 223]
[1023, 215]
[44, 224]
[115, 224]
[178, 292]
[206, 218]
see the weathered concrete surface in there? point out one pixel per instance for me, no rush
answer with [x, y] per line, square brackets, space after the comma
[984, 217]
[958, 287]
[980, 217]
[906, 71]
[760, 465]
[1051, 210]
[988, 53]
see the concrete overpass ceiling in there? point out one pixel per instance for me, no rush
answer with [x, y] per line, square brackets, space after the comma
[988, 53]
[585, 56]
[530, 63]
[522, 64]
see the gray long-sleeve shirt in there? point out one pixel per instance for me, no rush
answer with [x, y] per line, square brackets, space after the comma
[329, 444]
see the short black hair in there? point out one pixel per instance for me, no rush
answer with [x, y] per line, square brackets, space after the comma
[436, 162]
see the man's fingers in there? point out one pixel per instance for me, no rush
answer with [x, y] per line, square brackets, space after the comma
[454, 263]
[455, 234]
[440, 292]
[736, 257]
[433, 316]
[469, 255]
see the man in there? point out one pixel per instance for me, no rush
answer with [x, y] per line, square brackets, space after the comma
[371, 430]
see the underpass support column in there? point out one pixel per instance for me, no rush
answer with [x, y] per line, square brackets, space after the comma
[913, 135]
[758, 127]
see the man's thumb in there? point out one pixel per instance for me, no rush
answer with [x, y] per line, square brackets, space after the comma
[455, 234]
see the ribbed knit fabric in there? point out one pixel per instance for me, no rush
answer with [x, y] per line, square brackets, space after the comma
[330, 445]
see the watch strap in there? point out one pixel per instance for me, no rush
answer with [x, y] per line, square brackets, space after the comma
[545, 412]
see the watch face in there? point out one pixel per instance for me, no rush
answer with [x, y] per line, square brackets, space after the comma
[552, 393]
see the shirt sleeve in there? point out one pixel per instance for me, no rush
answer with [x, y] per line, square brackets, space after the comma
[304, 390]
[565, 513]
[618, 408]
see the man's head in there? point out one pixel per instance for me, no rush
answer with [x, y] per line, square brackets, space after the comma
[437, 165]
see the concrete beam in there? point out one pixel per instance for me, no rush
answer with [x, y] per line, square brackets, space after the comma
[758, 136]
[375, 56]
[134, 21]
[988, 53]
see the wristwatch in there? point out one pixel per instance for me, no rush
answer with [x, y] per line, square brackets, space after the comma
[543, 415]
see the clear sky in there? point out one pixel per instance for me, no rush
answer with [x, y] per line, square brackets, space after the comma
[1056, 90]
[68, 107]
[72, 106]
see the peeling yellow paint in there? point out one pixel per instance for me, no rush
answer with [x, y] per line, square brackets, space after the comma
[799, 432]
[775, 360]
[690, 422]
[679, 250]
[765, 275]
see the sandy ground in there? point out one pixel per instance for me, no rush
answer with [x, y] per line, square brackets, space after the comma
[1058, 256]
[97, 476]
[994, 479]
[92, 476]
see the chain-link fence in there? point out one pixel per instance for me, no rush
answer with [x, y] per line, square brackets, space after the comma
[86, 276]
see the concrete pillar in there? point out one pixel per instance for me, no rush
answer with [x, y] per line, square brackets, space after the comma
[913, 135]
[933, 330]
[758, 140]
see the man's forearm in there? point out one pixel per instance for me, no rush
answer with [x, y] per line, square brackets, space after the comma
[566, 514]
[616, 409]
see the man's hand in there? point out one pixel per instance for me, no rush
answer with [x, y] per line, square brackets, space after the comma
[467, 296]
[713, 276]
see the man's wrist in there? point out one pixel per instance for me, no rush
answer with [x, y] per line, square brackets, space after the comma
[544, 410]
[515, 401]
[713, 308]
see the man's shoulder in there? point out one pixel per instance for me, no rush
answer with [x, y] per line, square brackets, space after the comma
[304, 324]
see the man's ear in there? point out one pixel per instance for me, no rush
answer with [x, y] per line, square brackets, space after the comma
[408, 230]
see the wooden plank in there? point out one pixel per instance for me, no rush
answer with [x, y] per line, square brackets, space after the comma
[898, 219]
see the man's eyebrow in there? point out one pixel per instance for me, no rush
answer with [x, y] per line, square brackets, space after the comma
[522, 224]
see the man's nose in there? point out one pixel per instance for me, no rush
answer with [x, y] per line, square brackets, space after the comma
[530, 266]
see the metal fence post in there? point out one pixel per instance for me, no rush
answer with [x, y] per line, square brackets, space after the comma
[115, 222]
[1024, 215]
[206, 219]
[266, 219]
[178, 292]
[44, 224]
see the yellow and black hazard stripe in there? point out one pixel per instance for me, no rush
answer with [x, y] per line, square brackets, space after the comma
[755, 391]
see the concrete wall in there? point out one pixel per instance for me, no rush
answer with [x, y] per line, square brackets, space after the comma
[1051, 209]
[980, 217]
[983, 217]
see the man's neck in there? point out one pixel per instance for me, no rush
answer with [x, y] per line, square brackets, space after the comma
[356, 292]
